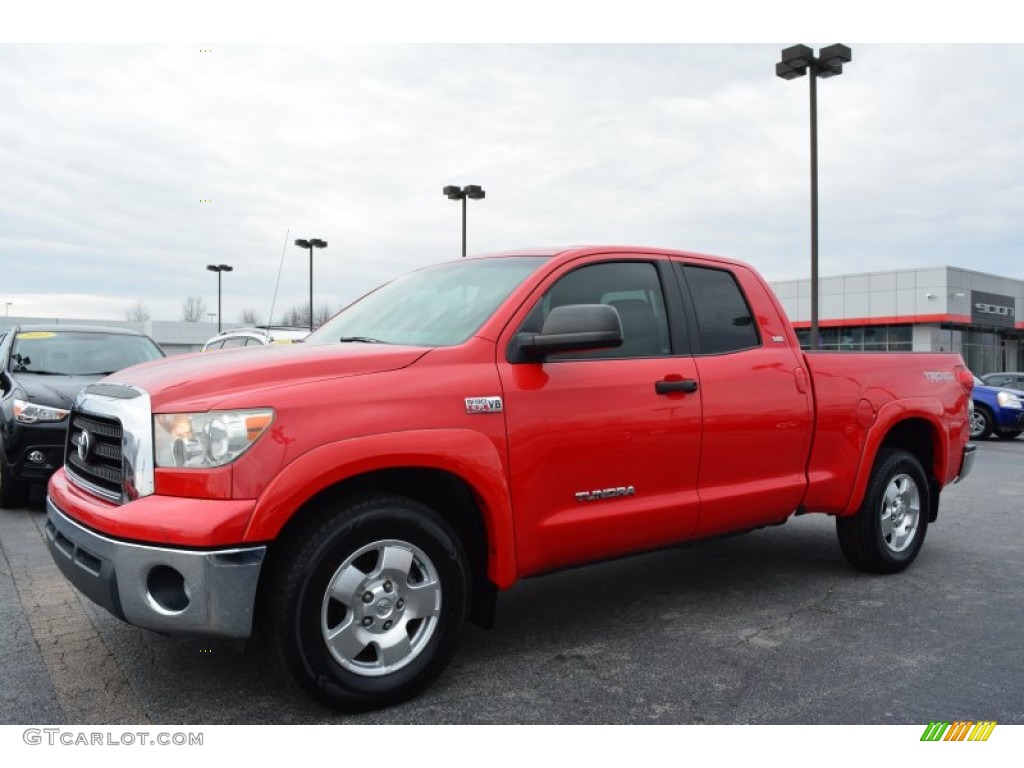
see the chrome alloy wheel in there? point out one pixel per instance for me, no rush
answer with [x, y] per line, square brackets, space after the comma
[901, 513]
[381, 608]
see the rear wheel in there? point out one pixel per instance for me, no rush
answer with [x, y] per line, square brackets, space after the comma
[365, 609]
[1008, 435]
[887, 532]
[14, 493]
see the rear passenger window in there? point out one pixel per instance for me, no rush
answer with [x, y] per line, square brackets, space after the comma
[724, 319]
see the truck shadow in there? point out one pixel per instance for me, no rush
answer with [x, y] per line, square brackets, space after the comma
[656, 605]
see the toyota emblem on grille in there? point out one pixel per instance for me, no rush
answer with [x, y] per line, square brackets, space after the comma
[84, 445]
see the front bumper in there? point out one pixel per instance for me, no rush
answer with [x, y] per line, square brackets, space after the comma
[163, 589]
[35, 451]
[1010, 420]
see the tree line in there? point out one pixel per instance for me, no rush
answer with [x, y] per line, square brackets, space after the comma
[194, 310]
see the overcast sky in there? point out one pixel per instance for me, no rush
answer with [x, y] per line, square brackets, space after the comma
[126, 168]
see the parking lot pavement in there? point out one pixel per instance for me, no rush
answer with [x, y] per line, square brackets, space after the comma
[26, 694]
[65, 672]
[768, 628]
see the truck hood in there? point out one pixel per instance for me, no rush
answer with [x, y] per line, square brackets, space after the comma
[201, 380]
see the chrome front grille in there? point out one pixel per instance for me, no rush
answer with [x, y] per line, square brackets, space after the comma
[115, 422]
[93, 455]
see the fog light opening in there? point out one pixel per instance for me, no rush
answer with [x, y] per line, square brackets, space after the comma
[167, 590]
[37, 457]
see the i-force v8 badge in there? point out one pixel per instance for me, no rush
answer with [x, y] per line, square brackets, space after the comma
[484, 405]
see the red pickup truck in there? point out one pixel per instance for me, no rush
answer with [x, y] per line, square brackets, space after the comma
[359, 496]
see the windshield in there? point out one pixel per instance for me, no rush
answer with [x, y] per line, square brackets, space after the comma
[433, 307]
[79, 353]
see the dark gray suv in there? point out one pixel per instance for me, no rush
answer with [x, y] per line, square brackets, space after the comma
[42, 368]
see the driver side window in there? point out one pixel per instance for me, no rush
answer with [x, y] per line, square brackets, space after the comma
[633, 288]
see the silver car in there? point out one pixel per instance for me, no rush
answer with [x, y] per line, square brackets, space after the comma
[256, 336]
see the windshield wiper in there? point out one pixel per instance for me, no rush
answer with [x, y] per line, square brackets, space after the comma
[40, 373]
[361, 340]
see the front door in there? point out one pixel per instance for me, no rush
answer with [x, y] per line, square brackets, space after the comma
[602, 462]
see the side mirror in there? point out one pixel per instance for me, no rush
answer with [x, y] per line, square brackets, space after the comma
[571, 328]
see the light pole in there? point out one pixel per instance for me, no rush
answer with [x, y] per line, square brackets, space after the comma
[471, 191]
[7, 309]
[796, 60]
[311, 244]
[219, 268]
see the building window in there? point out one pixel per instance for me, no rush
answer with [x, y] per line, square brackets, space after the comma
[901, 338]
[860, 338]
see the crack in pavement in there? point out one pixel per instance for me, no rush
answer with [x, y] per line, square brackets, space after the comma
[818, 606]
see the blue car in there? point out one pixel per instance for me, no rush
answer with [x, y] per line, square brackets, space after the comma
[997, 411]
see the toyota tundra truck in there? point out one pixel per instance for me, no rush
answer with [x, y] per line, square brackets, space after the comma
[358, 497]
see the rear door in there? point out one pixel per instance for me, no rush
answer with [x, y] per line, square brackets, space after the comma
[756, 401]
[604, 446]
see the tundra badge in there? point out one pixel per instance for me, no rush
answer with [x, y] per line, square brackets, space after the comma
[606, 493]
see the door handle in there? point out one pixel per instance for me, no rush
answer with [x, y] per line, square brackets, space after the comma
[678, 385]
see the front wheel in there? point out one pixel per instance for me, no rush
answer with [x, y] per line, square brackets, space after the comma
[365, 608]
[982, 423]
[886, 534]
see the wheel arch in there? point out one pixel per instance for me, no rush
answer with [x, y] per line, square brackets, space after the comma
[458, 474]
[447, 494]
[920, 438]
[919, 434]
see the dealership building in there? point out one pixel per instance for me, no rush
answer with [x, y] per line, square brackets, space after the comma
[941, 309]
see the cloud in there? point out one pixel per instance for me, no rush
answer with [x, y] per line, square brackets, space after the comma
[111, 152]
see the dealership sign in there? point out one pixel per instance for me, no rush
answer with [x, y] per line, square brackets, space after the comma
[992, 309]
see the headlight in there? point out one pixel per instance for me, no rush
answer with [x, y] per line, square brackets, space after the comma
[207, 440]
[30, 413]
[1006, 400]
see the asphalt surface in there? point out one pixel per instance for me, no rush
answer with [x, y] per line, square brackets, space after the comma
[768, 628]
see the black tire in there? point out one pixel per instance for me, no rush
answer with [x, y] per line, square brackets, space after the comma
[1008, 435]
[365, 606]
[14, 493]
[981, 423]
[886, 534]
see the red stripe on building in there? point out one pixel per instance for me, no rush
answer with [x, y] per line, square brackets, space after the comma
[849, 322]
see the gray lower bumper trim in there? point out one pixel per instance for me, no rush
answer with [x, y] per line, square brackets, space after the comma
[167, 590]
[967, 463]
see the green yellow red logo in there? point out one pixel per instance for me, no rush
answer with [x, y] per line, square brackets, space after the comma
[959, 730]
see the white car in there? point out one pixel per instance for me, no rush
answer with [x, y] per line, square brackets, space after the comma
[257, 336]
